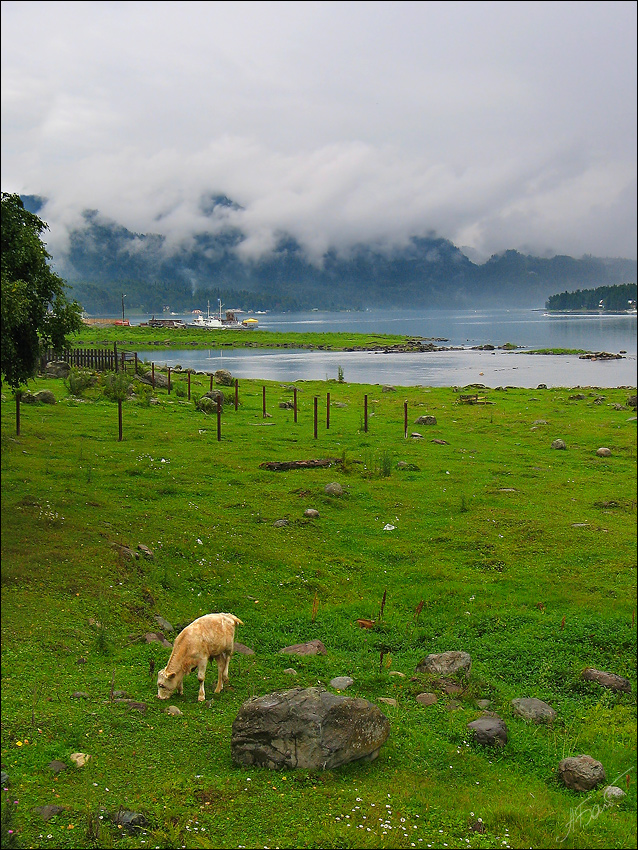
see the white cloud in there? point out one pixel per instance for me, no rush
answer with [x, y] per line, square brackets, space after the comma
[508, 125]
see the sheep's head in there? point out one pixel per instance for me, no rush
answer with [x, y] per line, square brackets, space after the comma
[166, 684]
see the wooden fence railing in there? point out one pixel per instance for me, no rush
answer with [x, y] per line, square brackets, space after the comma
[98, 359]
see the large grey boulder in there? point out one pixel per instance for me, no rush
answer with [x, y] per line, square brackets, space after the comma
[307, 728]
[446, 663]
[581, 773]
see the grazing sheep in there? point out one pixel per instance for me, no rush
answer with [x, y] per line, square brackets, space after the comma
[209, 637]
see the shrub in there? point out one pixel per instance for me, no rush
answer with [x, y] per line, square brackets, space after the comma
[116, 386]
[79, 380]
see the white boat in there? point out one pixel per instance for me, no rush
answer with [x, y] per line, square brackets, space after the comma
[207, 321]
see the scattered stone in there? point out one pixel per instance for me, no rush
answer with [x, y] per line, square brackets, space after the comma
[603, 451]
[121, 695]
[125, 552]
[164, 624]
[242, 649]
[533, 709]
[388, 389]
[440, 442]
[333, 489]
[79, 759]
[307, 728]
[341, 683]
[607, 680]
[4, 778]
[45, 397]
[489, 730]
[559, 444]
[146, 552]
[396, 673]
[132, 704]
[174, 711]
[287, 405]
[57, 369]
[425, 420]
[478, 826]
[483, 703]
[48, 812]
[427, 699]
[280, 523]
[290, 671]
[613, 792]
[388, 701]
[452, 688]
[224, 378]
[312, 647]
[416, 436]
[539, 422]
[581, 773]
[151, 637]
[410, 467]
[80, 695]
[129, 820]
[57, 766]
[311, 512]
[541, 387]
[446, 663]
[577, 397]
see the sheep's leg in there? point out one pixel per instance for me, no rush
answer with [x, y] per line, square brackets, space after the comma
[225, 673]
[201, 676]
[222, 664]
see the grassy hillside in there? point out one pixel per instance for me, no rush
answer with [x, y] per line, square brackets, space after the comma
[523, 555]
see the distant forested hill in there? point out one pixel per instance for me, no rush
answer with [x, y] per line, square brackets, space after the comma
[106, 260]
[614, 298]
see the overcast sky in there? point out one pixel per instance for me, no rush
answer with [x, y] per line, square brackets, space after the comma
[494, 124]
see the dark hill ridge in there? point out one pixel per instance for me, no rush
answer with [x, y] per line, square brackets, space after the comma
[105, 259]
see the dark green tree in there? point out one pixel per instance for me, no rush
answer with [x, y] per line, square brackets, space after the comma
[35, 311]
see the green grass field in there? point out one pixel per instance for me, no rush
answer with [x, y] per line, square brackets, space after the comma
[523, 555]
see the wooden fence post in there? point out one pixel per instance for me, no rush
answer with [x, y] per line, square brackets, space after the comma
[236, 393]
[315, 418]
[365, 413]
[119, 419]
[405, 419]
[295, 402]
[219, 418]
[327, 411]
[115, 355]
[211, 384]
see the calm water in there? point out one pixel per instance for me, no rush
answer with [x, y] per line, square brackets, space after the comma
[527, 328]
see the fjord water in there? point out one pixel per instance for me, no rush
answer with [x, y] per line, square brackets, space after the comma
[529, 329]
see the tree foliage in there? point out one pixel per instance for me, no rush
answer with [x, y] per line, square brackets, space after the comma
[615, 298]
[35, 310]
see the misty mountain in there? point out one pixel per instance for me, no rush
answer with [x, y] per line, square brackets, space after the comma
[105, 259]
